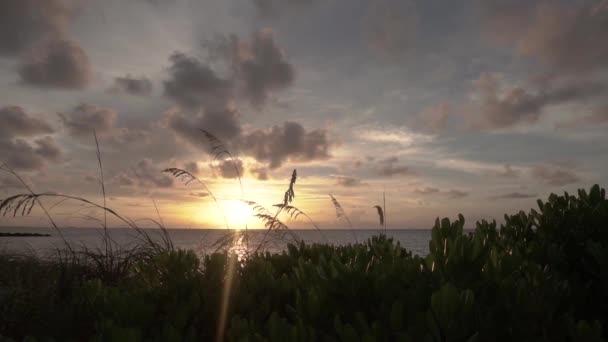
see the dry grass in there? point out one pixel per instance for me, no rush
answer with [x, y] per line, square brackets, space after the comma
[22, 205]
[188, 178]
[219, 150]
[341, 215]
[380, 214]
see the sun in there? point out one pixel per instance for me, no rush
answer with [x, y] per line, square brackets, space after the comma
[238, 214]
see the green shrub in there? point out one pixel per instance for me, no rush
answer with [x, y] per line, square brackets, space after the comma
[541, 276]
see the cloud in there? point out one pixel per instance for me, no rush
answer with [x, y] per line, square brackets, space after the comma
[132, 86]
[10, 182]
[223, 123]
[191, 167]
[273, 146]
[598, 117]
[519, 105]
[508, 172]
[390, 27]
[48, 149]
[260, 172]
[276, 7]
[347, 181]
[148, 174]
[16, 122]
[228, 168]
[426, 191]
[24, 23]
[288, 142]
[199, 194]
[85, 118]
[556, 174]
[398, 136]
[432, 119]
[207, 101]
[515, 195]
[22, 154]
[122, 179]
[56, 63]
[453, 194]
[389, 167]
[193, 84]
[261, 67]
[569, 37]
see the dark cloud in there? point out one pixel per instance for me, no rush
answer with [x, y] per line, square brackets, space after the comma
[199, 194]
[22, 154]
[122, 179]
[207, 101]
[132, 86]
[191, 167]
[224, 124]
[10, 183]
[19, 154]
[598, 117]
[35, 31]
[260, 173]
[453, 194]
[149, 174]
[568, 36]
[556, 174]
[270, 8]
[348, 182]
[193, 84]
[48, 149]
[433, 119]
[390, 27]
[288, 142]
[426, 191]
[228, 168]
[27, 22]
[508, 172]
[519, 105]
[16, 122]
[261, 67]
[91, 179]
[515, 195]
[390, 167]
[56, 63]
[85, 118]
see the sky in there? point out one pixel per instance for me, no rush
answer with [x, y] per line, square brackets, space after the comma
[445, 107]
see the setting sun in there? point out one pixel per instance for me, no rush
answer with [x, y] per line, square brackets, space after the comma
[238, 214]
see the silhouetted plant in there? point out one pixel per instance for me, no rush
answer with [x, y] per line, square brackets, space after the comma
[341, 214]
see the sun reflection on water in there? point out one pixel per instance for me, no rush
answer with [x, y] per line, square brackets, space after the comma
[237, 251]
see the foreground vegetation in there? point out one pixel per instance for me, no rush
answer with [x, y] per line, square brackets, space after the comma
[540, 276]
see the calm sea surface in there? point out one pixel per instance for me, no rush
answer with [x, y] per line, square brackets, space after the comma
[202, 240]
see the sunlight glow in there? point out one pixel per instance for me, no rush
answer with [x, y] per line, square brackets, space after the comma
[237, 213]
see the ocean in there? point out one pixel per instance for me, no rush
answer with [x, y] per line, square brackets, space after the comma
[203, 240]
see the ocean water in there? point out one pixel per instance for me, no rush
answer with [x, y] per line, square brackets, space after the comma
[203, 240]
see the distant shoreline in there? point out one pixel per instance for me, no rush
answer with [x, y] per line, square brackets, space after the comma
[23, 235]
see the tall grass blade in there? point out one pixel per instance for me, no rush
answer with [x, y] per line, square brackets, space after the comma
[219, 150]
[8, 201]
[341, 214]
[380, 214]
[187, 178]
